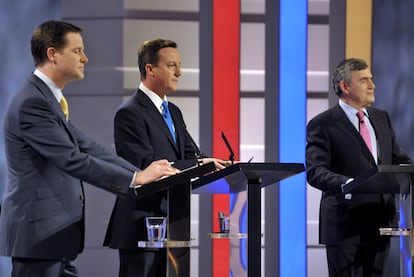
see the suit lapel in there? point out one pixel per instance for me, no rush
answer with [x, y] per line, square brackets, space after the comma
[346, 126]
[381, 129]
[48, 95]
[179, 129]
[153, 113]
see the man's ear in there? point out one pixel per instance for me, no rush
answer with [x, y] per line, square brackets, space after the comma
[344, 86]
[150, 70]
[51, 54]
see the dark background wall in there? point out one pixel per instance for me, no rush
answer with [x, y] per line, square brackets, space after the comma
[393, 66]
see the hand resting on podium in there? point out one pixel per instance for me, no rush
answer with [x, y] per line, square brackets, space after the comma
[156, 170]
[219, 163]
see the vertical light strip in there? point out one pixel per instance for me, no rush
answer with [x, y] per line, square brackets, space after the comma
[226, 76]
[292, 135]
[359, 29]
[225, 112]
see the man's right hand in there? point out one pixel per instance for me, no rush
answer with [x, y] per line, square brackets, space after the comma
[154, 171]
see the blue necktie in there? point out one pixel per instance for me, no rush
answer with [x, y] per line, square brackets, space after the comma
[167, 117]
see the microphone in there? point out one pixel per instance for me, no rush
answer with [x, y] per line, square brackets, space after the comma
[231, 157]
[197, 154]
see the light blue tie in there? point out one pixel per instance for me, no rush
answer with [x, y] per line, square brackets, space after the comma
[167, 117]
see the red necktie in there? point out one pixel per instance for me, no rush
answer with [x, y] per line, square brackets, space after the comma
[363, 129]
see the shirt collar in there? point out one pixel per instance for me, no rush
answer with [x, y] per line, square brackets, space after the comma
[57, 93]
[351, 112]
[153, 96]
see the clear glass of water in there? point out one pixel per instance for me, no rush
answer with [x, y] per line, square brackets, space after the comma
[156, 226]
[224, 222]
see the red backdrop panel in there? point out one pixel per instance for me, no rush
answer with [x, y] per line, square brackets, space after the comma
[226, 107]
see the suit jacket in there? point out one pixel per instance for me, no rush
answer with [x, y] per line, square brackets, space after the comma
[142, 136]
[43, 207]
[335, 152]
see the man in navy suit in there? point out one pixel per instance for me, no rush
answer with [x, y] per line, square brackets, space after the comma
[335, 154]
[142, 136]
[42, 217]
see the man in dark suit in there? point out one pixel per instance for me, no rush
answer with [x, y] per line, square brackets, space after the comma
[142, 136]
[335, 154]
[42, 217]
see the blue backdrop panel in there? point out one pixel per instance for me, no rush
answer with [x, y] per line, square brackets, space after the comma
[18, 19]
[292, 140]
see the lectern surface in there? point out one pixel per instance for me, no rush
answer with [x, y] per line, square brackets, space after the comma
[181, 178]
[235, 178]
[383, 179]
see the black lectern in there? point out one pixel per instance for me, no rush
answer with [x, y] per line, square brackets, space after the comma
[246, 178]
[178, 244]
[392, 179]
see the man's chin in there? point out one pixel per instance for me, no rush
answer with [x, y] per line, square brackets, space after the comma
[76, 78]
[370, 103]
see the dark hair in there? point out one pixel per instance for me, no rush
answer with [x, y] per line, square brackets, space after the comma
[51, 33]
[148, 53]
[343, 72]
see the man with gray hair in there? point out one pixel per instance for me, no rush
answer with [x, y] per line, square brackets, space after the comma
[342, 143]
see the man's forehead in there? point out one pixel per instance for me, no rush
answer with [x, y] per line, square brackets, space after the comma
[364, 73]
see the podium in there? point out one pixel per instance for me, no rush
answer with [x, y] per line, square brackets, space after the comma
[178, 241]
[241, 177]
[247, 178]
[392, 179]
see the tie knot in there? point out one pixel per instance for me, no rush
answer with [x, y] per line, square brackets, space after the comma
[165, 105]
[165, 109]
[361, 116]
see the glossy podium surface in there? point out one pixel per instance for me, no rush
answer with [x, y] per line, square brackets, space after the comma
[248, 178]
[392, 179]
[383, 179]
[237, 177]
[245, 179]
[178, 241]
[183, 177]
